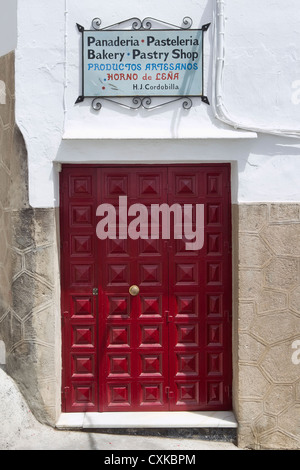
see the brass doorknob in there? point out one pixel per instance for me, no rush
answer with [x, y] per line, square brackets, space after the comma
[134, 290]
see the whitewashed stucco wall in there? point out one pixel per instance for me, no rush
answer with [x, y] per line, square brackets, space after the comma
[259, 90]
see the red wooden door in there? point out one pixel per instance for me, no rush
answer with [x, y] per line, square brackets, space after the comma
[169, 347]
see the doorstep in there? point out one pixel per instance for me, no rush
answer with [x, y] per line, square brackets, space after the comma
[140, 420]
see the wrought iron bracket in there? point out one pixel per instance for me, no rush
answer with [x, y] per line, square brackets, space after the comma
[142, 102]
[146, 24]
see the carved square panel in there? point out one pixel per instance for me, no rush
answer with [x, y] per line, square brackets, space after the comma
[83, 336]
[149, 185]
[119, 364]
[151, 364]
[117, 247]
[118, 306]
[214, 305]
[82, 274]
[119, 394]
[118, 335]
[80, 186]
[84, 394]
[186, 274]
[83, 364]
[214, 273]
[83, 306]
[187, 393]
[149, 247]
[151, 335]
[187, 364]
[187, 306]
[81, 245]
[81, 216]
[186, 185]
[118, 274]
[215, 393]
[117, 186]
[215, 334]
[152, 393]
[150, 274]
[213, 214]
[214, 363]
[214, 244]
[214, 185]
[151, 306]
[187, 335]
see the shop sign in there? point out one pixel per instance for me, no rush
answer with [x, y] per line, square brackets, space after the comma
[142, 62]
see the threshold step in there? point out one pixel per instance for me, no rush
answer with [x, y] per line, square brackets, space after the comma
[149, 420]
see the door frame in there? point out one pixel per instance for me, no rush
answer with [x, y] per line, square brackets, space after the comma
[128, 165]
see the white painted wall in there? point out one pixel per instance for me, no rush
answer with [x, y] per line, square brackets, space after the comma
[261, 77]
[171, 122]
[8, 26]
[257, 90]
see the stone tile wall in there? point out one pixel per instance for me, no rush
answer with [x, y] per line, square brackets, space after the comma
[29, 278]
[267, 395]
[6, 150]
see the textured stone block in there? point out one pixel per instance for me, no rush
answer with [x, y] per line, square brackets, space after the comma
[16, 262]
[10, 330]
[44, 226]
[39, 261]
[246, 437]
[277, 440]
[277, 363]
[298, 392]
[289, 421]
[250, 283]
[284, 212]
[264, 424]
[295, 300]
[270, 301]
[22, 229]
[284, 239]
[40, 325]
[5, 283]
[4, 247]
[246, 315]
[282, 273]
[28, 294]
[253, 251]
[279, 398]
[249, 411]
[252, 217]
[252, 383]
[4, 188]
[250, 349]
[7, 146]
[277, 327]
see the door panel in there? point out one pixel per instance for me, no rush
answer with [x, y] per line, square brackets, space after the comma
[169, 347]
[135, 371]
[79, 277]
